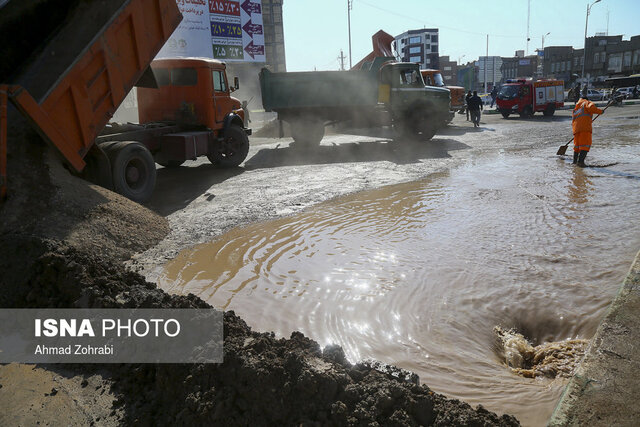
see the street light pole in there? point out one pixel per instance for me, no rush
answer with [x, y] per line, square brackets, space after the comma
[349, 6]
[542, 60]
[460, 58]
[586, 24]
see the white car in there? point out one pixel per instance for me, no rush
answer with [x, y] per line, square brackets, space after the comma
[595, 95]
[627, 92]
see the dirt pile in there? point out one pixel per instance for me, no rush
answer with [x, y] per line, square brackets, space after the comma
[550, 359]
[263, 380]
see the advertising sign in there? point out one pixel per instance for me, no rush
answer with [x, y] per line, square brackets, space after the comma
[229, 30]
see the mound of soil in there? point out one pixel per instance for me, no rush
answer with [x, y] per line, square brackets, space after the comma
[263, 380]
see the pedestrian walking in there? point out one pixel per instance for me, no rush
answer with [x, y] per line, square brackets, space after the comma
[475, 105]
[582, 129]
[466, 101]
[494, 94]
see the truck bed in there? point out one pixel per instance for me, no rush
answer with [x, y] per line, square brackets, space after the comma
[82, 71]
[317, 90]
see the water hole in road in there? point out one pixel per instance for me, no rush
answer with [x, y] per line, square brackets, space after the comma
[419, 274]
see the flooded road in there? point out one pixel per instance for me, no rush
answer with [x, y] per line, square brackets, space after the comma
[419, 274]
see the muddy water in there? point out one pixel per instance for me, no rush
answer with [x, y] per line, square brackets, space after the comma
[419, 274]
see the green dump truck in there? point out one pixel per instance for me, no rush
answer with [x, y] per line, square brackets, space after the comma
[383, 93]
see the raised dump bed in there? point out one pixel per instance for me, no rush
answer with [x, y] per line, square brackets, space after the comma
[85, 60]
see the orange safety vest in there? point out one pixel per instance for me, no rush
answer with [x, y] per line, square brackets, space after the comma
[582, 115]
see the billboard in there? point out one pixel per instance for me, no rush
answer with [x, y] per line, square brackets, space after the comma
[229, 30]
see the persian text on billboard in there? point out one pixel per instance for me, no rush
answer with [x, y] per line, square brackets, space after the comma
[222, 29]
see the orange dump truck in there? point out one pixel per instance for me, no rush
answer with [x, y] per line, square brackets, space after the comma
[434, 78]
[85, 68]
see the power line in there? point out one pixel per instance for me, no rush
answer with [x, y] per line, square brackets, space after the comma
[422, 21]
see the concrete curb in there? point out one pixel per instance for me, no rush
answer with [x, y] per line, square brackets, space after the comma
[605, 388]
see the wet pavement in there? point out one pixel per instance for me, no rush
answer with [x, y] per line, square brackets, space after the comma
[449, 238]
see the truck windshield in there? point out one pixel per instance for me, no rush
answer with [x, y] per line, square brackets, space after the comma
[411, 78]
[437, 80]
[508, 92]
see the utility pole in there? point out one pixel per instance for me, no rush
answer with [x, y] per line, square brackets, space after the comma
[341, 58]
[586, 24]
[486, 62]
[528, 16]
[542, 60]
[349, 7]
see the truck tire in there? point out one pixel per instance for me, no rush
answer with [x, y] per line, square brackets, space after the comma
[232, 150]
[307, 131]
[98, 168]
[549, 111]
[414, 126]
[505, 114]
[133, 170]
[526, 112]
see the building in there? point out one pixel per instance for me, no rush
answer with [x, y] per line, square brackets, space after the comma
[519, 66]
[273, 35]
[419, 46]
[467, 76]
[449, 70]
[607, 56]
[489, 72]
[559, 63]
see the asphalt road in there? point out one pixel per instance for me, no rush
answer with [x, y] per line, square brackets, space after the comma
[279, 179]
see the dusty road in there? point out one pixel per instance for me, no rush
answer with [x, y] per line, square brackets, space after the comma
[278, 179]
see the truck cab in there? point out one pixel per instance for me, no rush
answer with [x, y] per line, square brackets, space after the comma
[434, 78]
[411, 101]
[191, 91]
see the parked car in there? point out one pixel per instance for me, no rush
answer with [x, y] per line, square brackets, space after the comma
[627, 92]
[595, 95]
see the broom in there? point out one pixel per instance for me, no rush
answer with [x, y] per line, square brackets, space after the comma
[563, 148]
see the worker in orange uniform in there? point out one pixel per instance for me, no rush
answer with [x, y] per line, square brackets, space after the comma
[582, 118]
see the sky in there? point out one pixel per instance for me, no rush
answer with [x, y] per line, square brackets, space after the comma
[316, 31]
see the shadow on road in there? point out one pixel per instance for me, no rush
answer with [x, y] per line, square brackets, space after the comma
[177, 187]
[399, 152]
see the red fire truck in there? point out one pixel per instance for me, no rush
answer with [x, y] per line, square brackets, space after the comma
[526, 96]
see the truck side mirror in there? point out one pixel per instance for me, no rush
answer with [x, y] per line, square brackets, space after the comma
[236, 83]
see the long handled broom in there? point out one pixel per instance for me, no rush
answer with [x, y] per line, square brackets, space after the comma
[563, 148]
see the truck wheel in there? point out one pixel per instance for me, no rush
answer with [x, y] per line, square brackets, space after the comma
[307, 131]
[526, 112]
[98, 168]
[170, 163]
[505, 114]
[414, 126]
[549, 111]
[232, 150]
[426, 132]
[133, 170]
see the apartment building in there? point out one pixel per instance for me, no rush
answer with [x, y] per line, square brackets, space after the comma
[419, 46]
